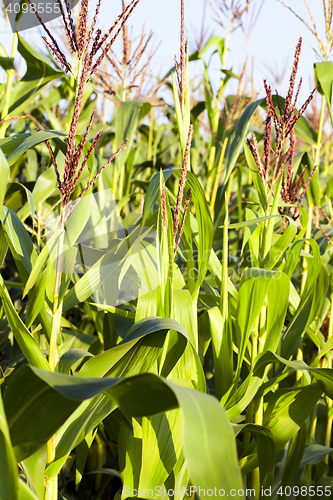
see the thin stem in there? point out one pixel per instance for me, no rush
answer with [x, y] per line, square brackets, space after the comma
[9, 86]
[257, 346]
[151, 135]
[320, 131]
[248, 420]
[195, 298]
[190, 265]
[307, 247]
[51, 485]
[224, 277]
[210, 167]
[258, 419]
[218, 176]
[115, 173]
[78, 77]
[299, 357]
[266, 242]
[272, 185]
[328, 434]
[124, 313]
[39, 229]
[123, 93]
[57, 308]
[317, 160]
[14, 284]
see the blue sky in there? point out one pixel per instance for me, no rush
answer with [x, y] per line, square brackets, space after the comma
[271, 44]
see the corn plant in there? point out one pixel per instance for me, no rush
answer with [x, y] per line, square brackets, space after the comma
[166, 295]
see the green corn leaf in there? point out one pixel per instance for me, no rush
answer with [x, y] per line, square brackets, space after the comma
[24, 254]
[34, 469]
[41, 261]
[9, 144]
[77, 220]
[36, 299]
[4, 176]
[25, 493]
[31, 141]
[305, 131]
[260, 188]
[103, 363]
[9, 474]
[251, 222]
[252, 236]
[144, 343]
[325, 378]
[179, 115]
[133, 462]
[235, 144]
[19, 242]
[45, 186]
[38, 74]
[164, 257]
[96, 275]
[213, 40]
[203, 417]
[311, 302]
[202, 227]
[324, 80]
[313, 190]
[222, 351]
[204, 224]
[314, 454]
[188, 367]
[269, 225]
[303, 128]
[277, 250]
[159, 434]
[252, 293]
[17, 195]
[297, 403]
[277, 302]
[183, 302]
[113, 261]
[27, 344]
[211, 107]
[286, 413]
[70, 359]
[294, 457]
[6, 62]
[249, 388]
[127, 119]
[292, 258]
[266, 453]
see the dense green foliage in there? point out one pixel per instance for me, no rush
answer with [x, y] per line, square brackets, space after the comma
[174, 326]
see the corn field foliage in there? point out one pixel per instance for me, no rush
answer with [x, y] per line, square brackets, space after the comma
[166, 292]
